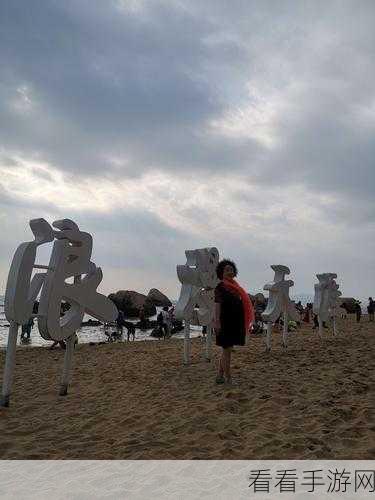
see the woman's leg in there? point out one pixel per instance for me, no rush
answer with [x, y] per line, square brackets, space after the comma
[221, 364]
[226, 362]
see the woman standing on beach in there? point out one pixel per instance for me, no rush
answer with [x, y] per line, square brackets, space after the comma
[233, 315]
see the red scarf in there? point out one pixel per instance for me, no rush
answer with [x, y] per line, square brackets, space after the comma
[248, 310]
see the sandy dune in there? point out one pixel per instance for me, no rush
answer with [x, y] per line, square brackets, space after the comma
[137, 401]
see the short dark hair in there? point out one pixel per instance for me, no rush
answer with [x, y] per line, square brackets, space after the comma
[222, 264]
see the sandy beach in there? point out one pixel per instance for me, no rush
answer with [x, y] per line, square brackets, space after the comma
[137, 401]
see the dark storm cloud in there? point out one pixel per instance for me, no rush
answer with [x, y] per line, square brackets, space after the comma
[105, 83]
[124, 91]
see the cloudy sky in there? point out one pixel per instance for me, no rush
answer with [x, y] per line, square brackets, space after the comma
[165, 125]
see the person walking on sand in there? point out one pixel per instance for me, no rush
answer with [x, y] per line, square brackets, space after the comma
[371, 309]
[167, 323]
[234, 314]
[307, 313]
[26, 329]
[358, 311]
[120, 323]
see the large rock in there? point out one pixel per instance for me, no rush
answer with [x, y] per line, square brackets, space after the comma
[158, 298]
[131, 303]
[258, 298]
[348, 303]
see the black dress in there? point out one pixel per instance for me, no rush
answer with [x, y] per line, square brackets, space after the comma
[231, 318]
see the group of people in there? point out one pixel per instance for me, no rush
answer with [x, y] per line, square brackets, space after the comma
[120, 324]
[165, 321]
[370, 309]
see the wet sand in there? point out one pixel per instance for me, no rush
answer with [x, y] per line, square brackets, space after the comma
[137, 401]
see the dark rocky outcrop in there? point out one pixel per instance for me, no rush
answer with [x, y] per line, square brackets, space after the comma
[158, 298]
[258, 299]
[132, 303]
[348, 303]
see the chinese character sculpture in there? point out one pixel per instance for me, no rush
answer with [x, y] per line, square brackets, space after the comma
[70, 259]
[326, 299]
[196, 304]
[279, 303]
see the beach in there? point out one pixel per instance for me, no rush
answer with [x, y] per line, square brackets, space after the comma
[136, 400]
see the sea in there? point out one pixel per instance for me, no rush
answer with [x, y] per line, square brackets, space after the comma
[86, 334]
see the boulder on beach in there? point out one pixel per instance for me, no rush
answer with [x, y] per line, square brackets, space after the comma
[258, 298]
[158, 298]
[348, 303]
[131, 303]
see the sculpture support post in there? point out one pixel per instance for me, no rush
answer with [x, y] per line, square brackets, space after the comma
[9, 363]
[279, 302]
[68, 361]
[208, 343]
[285, 329]
[269, 336]
[187, 343]
[334, 324]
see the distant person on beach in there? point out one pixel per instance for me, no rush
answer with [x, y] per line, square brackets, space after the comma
[26, 329]
[167, 323]
[130, 329]
[234, 314]
[307, 313]
[120, 323]
[371, 309]
[142, 319]
[160, 324]
[358, 311]
[316, 323]
[299, 307]
[171, 318]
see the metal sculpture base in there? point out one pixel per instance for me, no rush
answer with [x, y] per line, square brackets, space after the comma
[10, 361]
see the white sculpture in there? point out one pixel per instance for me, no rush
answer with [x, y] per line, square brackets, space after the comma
[196, 304]
[70, 259]
[279, 303]
[326, 299]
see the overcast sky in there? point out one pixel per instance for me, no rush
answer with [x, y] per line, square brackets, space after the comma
[160, 126]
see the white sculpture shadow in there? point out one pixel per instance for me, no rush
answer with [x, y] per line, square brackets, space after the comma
[196, 304]
[279, 303]
[70, 258]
